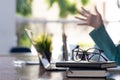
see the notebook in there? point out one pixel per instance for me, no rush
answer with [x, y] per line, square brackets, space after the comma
[83, 64]
[84, 73]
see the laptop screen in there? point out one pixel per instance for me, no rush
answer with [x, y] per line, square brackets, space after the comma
[29, 34]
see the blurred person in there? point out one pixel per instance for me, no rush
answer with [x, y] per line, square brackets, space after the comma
[99, 34]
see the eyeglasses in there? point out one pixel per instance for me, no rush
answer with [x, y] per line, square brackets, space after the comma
[91, 55]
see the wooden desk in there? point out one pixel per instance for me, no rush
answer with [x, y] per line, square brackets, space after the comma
[10, 71]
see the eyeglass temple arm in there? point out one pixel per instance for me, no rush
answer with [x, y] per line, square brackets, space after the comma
[99, 55]
[94, 53]
[101, 51]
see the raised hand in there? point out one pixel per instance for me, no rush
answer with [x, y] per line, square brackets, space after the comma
[93, 20]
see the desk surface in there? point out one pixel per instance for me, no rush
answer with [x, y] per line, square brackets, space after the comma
[10, 71]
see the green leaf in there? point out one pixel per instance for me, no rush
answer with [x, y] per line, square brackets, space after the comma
[50, 2]
[23, 7]
[84, 2]
[66, 7]
[43, 43]
[72, 8]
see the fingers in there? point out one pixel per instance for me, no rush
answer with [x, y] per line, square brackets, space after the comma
[85, 10]
[82, 24]
[80, 18]
[96, 10]
[85, 14]
[82, 13]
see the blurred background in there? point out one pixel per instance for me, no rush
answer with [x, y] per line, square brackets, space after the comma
[54, 17]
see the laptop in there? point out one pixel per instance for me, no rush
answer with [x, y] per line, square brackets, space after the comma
[51, 66]
[46, 64]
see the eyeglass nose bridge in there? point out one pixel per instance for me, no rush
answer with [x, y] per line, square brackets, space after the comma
[84, 55]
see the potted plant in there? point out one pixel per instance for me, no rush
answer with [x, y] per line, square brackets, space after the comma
[43, 44]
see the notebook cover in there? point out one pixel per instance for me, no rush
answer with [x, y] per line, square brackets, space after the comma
[85, 64]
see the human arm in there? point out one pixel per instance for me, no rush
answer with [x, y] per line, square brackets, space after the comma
[100, 35]
[103, 41]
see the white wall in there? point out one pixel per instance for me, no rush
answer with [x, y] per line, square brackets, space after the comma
[7, 25]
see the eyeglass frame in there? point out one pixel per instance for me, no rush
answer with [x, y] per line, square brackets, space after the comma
[85, 55]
